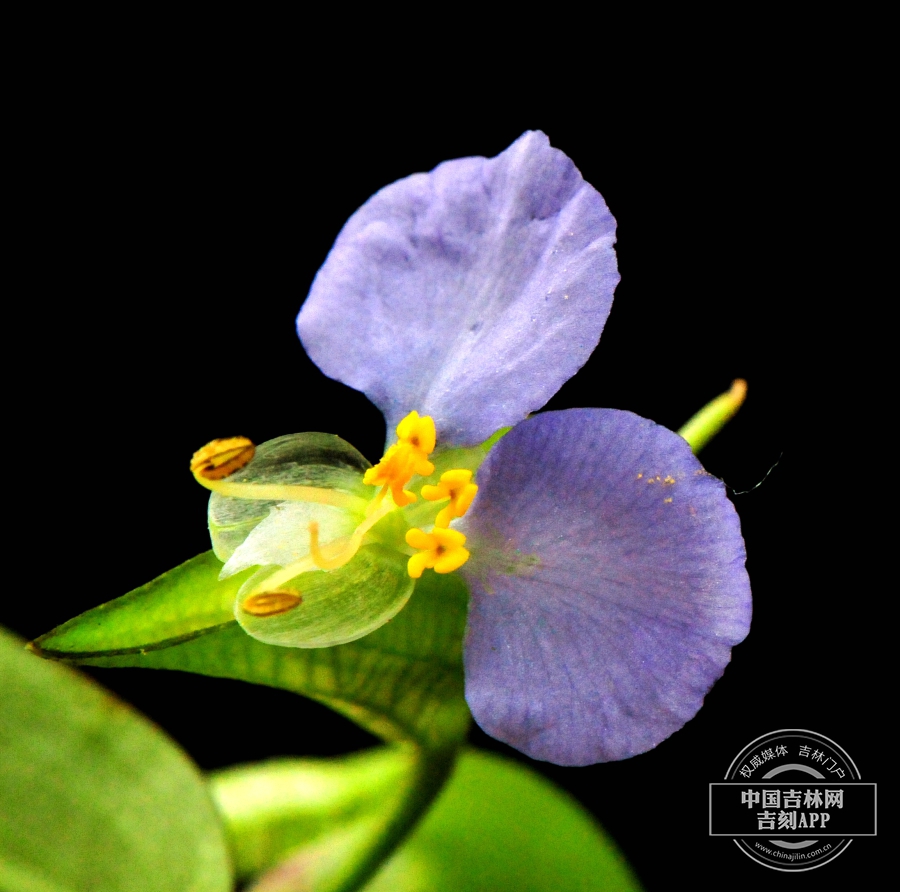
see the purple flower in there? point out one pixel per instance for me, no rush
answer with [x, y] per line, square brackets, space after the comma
[606, 567]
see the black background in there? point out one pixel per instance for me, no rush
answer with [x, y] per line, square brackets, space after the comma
[174, 215]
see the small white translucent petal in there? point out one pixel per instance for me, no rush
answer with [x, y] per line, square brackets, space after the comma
[282, 538]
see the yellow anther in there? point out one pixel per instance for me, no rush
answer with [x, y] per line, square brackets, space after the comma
[270, 603]
[456, 486]
[392, 473]
[221, 458]
[441, 549]
[419, 433]
[416, 438]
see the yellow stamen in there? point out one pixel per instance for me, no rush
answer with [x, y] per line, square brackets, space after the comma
[221, 458]
[441, 549]
[418, 433]
[453, 485]
[408, 456]
[287, 492]
[286, 574]
[270, 603]
[392, 473]
[341, 549]
[324, 557]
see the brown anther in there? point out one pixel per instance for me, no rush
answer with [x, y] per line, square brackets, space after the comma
[221, 458]
[271, 603]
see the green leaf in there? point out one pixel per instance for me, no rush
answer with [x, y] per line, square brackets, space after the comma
[92, 796]
[497, 825]
[403, 682]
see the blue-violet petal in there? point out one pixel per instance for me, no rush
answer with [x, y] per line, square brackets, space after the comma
[607, 586]
[471, 293]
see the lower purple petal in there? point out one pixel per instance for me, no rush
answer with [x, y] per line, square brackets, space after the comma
[607, 586]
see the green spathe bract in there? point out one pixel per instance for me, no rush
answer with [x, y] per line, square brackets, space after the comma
[403, 682]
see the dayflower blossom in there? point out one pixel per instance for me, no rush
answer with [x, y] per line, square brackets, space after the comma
[605, 566]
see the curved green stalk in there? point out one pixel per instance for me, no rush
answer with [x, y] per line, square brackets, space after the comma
[432, 769]
[327, 824]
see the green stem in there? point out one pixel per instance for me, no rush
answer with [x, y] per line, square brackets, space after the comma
[327, 824]
[430, 772]
[700, 429]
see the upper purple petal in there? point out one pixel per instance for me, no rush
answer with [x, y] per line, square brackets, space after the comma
[607, 586]
[471, 293]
